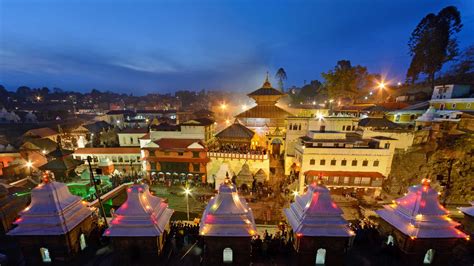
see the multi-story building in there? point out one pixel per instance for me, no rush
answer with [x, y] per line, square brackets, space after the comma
[130, 137]
[458, 104]
[346, 161]
[125, 159]
[299, 126]
[177, 159]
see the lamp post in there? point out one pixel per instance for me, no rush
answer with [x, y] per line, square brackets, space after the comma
[187, 192]
[29, 165]
[101, 207]
[382, 88]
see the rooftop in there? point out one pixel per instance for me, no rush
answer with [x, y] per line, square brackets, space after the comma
[142, 214]
[53, 211]
[420, 215]
[108, 150]
[315, 214]
[227, 214]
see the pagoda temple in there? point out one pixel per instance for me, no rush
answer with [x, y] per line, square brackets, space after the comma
[227, 226]
[266, 116]
[321, 234]
[56, 225]
[140, 226]
[420, 227]
[61, 163]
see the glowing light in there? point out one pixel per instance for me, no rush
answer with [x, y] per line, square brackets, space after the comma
[223, 106]
[399, 83]
[187, 191]
[331, 101]
[29, 164]
[38, 98]
[314, 102]
[252, 232]
[295, 193]
[382, 85]
[365, 98]
[468, 238]
[43, 151]
[18, 220]
[320, 116]
[107, 232]
[419, 216]
[299, 234]
[413, 237]
[26, 209]
[227, 121]
[244, 106]
[370, 93]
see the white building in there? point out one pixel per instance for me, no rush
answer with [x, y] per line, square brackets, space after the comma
[344, 160]
[450, 91]
[130, 137]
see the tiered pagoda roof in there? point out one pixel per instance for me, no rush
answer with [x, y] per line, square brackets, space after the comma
[236, 131]
[420, 215]
[53, 211]
[227, 214]
[315, 214]
[266, 97]
[142, 214]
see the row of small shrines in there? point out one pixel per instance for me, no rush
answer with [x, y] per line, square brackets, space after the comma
[57, 226]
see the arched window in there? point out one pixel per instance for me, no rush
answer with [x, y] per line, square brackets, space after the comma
[312, 162]
[429, 256]
[343, 128]
[390, 241]
[227, 255]
[291, 126]
[321, 256]
[45, 255]
[299, 127]
[82, 241]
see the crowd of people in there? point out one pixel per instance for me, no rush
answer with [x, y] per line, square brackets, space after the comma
[272, 245]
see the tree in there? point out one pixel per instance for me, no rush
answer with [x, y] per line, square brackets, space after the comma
[433, 43]
[281, 76]
[346, 80]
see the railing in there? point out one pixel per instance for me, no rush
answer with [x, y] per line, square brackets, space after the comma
[237, 156]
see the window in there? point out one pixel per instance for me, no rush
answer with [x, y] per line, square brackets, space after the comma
[343, 128]
[82, 241]
[320, 144]
[353, 128]
[397, 118]
[322, 162]
[348, 128]
[291, 126]
[299, 127]
[131, 140]
[45, 255]
[321, 256]
[453, 106]
[387, 145]
[195, 154]
[468, 105]
[333, 162]
[153, 166]
[180, 153]
[376, 163]
[354, 162]
[335, 179]
[390, 241]
[195, 167]
[322, 128]
[429, 256]
[312, 162]
[357, 180]
[120, 159]
[365, 163]
[344, 162]
[365, 181]
[336, 145]
[227, 255]
[412, 117]
[346, 180]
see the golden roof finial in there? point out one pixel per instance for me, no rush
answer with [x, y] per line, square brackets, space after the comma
[267, 83]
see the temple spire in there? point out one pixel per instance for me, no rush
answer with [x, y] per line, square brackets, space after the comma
[267, 83]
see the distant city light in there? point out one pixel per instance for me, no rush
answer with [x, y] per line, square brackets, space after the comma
[366, 97]
[370, 93]
[399, 83]
[314, 102]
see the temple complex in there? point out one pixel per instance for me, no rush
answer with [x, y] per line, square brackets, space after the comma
[321, 234]
[139, 227]
[55, 227]
[61, 163]
[420, 227]
[266, 118]
[227, 226]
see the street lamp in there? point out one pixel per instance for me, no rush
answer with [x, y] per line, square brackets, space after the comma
[295, 193]
[29, 164]
[187, 193]
[382, 87]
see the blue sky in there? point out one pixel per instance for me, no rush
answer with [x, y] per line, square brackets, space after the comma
[160, 46]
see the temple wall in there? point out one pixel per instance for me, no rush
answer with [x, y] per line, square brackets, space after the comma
[214, 248]
[414, 250]
[306, 248]
[62, 248]
[139, 248]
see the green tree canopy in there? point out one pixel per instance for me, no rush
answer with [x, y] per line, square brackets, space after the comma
[281, 76]
[346, 80]
[433, 43]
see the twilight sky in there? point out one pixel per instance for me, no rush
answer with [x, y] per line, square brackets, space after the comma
[138, 46]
